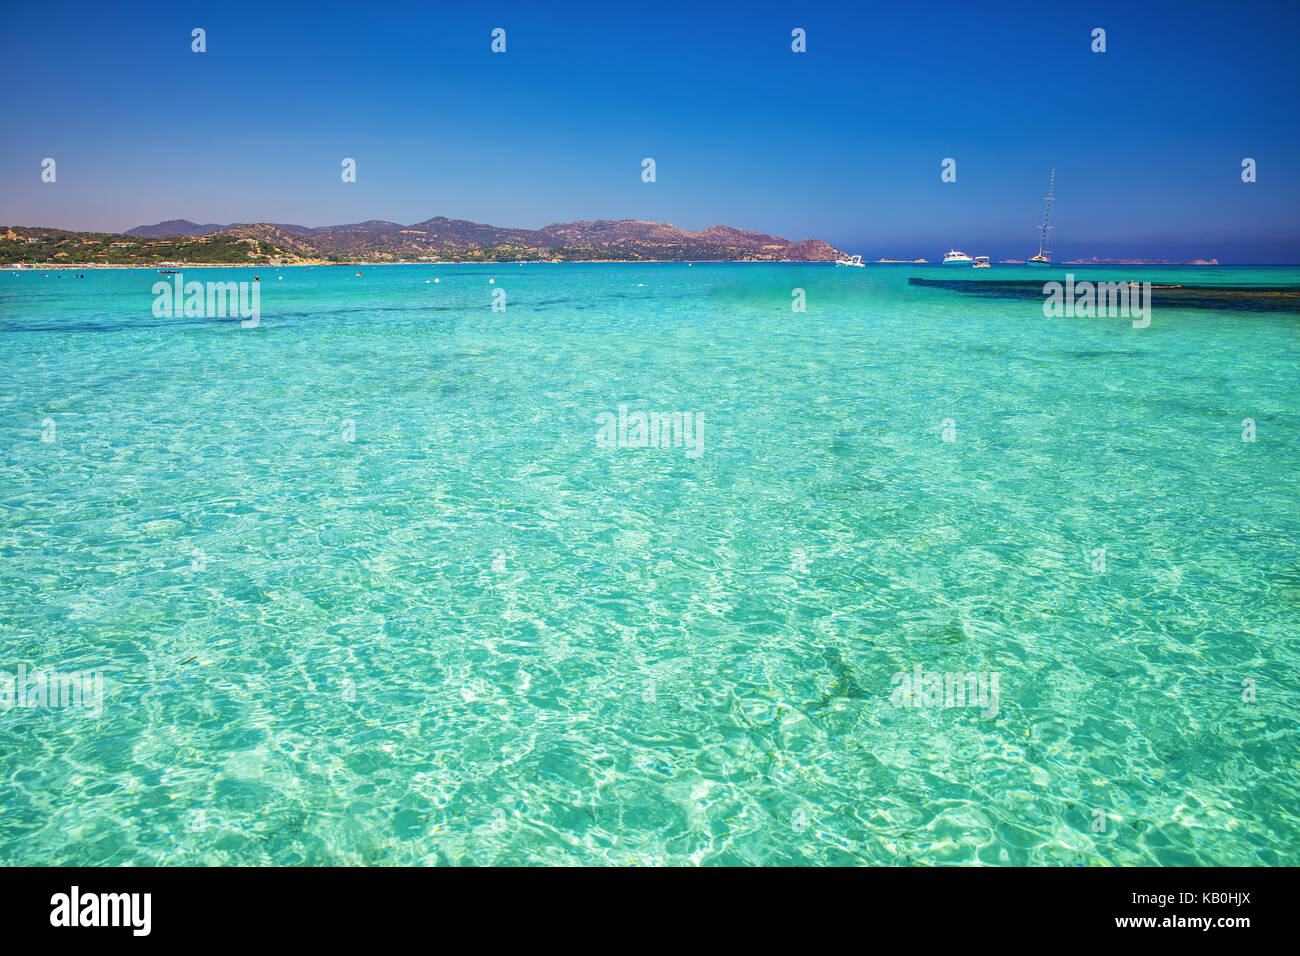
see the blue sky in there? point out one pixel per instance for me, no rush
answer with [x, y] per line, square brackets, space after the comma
[842, 143]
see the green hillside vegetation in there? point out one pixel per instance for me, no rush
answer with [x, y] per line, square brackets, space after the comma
[434, 240]
[52, 246]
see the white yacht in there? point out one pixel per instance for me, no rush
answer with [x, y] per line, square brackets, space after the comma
[851, 261]
[955, 258]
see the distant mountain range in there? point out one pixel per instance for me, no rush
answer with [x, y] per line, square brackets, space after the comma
[456, 239]
[174, 227]
[1094, 261]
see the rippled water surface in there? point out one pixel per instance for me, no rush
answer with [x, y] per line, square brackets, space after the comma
[472, 635]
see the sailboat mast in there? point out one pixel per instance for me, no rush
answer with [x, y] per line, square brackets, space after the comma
[1047, 214]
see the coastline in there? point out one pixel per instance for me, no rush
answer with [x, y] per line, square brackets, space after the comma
[158, 266]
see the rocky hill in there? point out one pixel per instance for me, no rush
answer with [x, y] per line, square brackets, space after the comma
[459, 240]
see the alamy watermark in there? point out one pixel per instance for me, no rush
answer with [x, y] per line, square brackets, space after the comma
[212, 300]
[76, 690]
[651, 430]
[75, 908]
[1112, 300]
[922, 688]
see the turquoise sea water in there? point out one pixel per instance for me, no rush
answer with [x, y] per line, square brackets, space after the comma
[471, 635]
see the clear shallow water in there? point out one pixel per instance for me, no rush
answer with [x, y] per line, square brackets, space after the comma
[472, 636]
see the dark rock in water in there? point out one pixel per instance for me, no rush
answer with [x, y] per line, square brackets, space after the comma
[1285, 298]
[952, 634]
[846, 684]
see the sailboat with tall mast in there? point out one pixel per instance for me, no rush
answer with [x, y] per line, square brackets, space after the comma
[1044, 257]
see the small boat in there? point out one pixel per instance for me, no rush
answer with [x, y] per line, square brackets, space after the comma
[955, 258]
[851, 261]
[982, 262]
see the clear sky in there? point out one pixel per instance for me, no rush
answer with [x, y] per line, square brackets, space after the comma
[843, 142]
